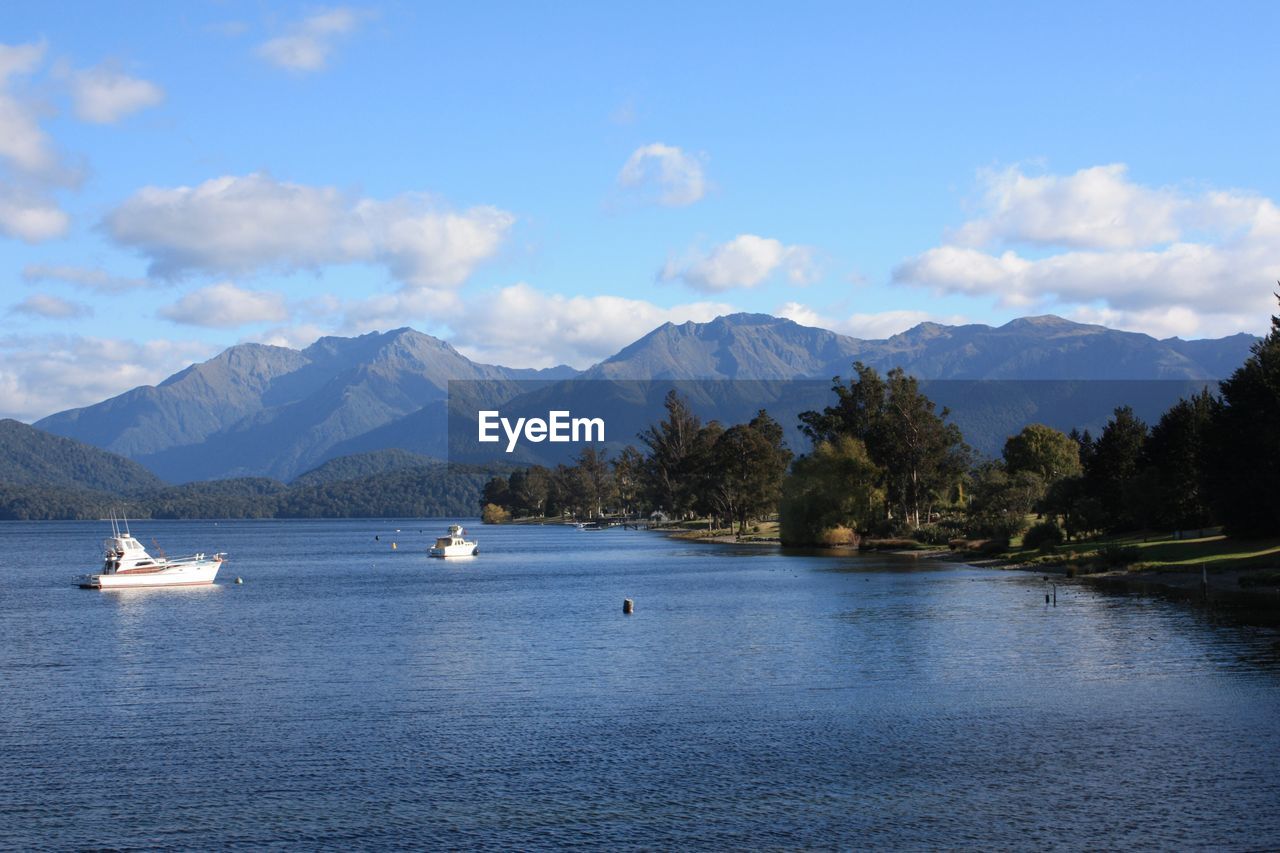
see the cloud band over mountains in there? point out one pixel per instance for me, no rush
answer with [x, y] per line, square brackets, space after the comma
[1161, 259]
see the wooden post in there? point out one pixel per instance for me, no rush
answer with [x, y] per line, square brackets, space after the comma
[627, 606]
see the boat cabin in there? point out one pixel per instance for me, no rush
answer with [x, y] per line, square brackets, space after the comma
[124, 554]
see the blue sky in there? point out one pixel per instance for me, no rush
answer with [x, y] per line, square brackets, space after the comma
[543, 183]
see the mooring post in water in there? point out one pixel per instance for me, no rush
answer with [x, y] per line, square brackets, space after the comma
[1055, 595]
[627, 605]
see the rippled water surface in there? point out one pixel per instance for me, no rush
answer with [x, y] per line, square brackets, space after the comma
[350, 696]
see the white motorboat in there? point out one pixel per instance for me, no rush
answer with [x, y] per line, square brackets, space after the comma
[127, 565]
[454, 545]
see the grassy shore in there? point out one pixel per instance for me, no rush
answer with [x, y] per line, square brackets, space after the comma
[1163, 552]
[1193, 567]
[763, 533]
[1245, 571]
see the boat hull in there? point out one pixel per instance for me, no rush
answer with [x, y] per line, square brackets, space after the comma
[454, 550]
[197, 573]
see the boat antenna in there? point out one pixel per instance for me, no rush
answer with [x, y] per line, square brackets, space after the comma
[126, 526]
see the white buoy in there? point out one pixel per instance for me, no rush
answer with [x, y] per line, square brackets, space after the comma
[239, 580]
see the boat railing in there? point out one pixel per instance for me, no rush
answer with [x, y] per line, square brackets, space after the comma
[200, 555]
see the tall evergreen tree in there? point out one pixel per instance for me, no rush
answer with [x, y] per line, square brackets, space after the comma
[1242, 465]
[857, 413]
[628, 475]
[671, 442]
[1174, 454]
[1114, 460]
[923, 455]
[594, 480]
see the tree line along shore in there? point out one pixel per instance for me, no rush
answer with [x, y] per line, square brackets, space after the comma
[1197, 491]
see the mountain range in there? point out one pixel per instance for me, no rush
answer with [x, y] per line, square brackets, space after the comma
[258, 410]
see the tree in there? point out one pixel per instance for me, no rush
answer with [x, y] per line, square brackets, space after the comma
[497, 491]
[670, 443]
[595, 480]
[494, 514]
[1044, 451]
[831, 494]
[1243, 459]
[1000, 501]
[920, 456]
[923, 455]
[530, 488]
[1115, 459]
[1174, 453]
[566, 493]
[1085, 442]
[628, 474]
[749, 461]
[857, 413]
[701, 480]
[1068, 499]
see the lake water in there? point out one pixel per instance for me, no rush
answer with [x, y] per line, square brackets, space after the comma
[350, 696]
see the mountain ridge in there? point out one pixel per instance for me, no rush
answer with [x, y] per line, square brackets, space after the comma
[263, 410]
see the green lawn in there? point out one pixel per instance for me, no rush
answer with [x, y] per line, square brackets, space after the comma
[1162, 551]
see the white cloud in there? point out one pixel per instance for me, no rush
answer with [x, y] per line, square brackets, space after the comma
[40, 375]
[745, 261]
[1094, 208]
[1174, 321]
[28, 210]
[885, 324]
[665, 174]
[20, 59]
[89, 278]
[524, 327]
[22, 142]
[29, 215]
[803, 314]
[53, 307]
[1168, 261]
[239, 224]
[432, 248]
[104, 95]
[224, 305]
[1210, 279]
[393, 310]
[294, 336]
[872, 326]
[310, 42]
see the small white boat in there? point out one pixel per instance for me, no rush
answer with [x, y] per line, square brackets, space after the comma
[127, 565]
[454, 545]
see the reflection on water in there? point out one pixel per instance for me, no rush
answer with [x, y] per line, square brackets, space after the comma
[347, 695]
